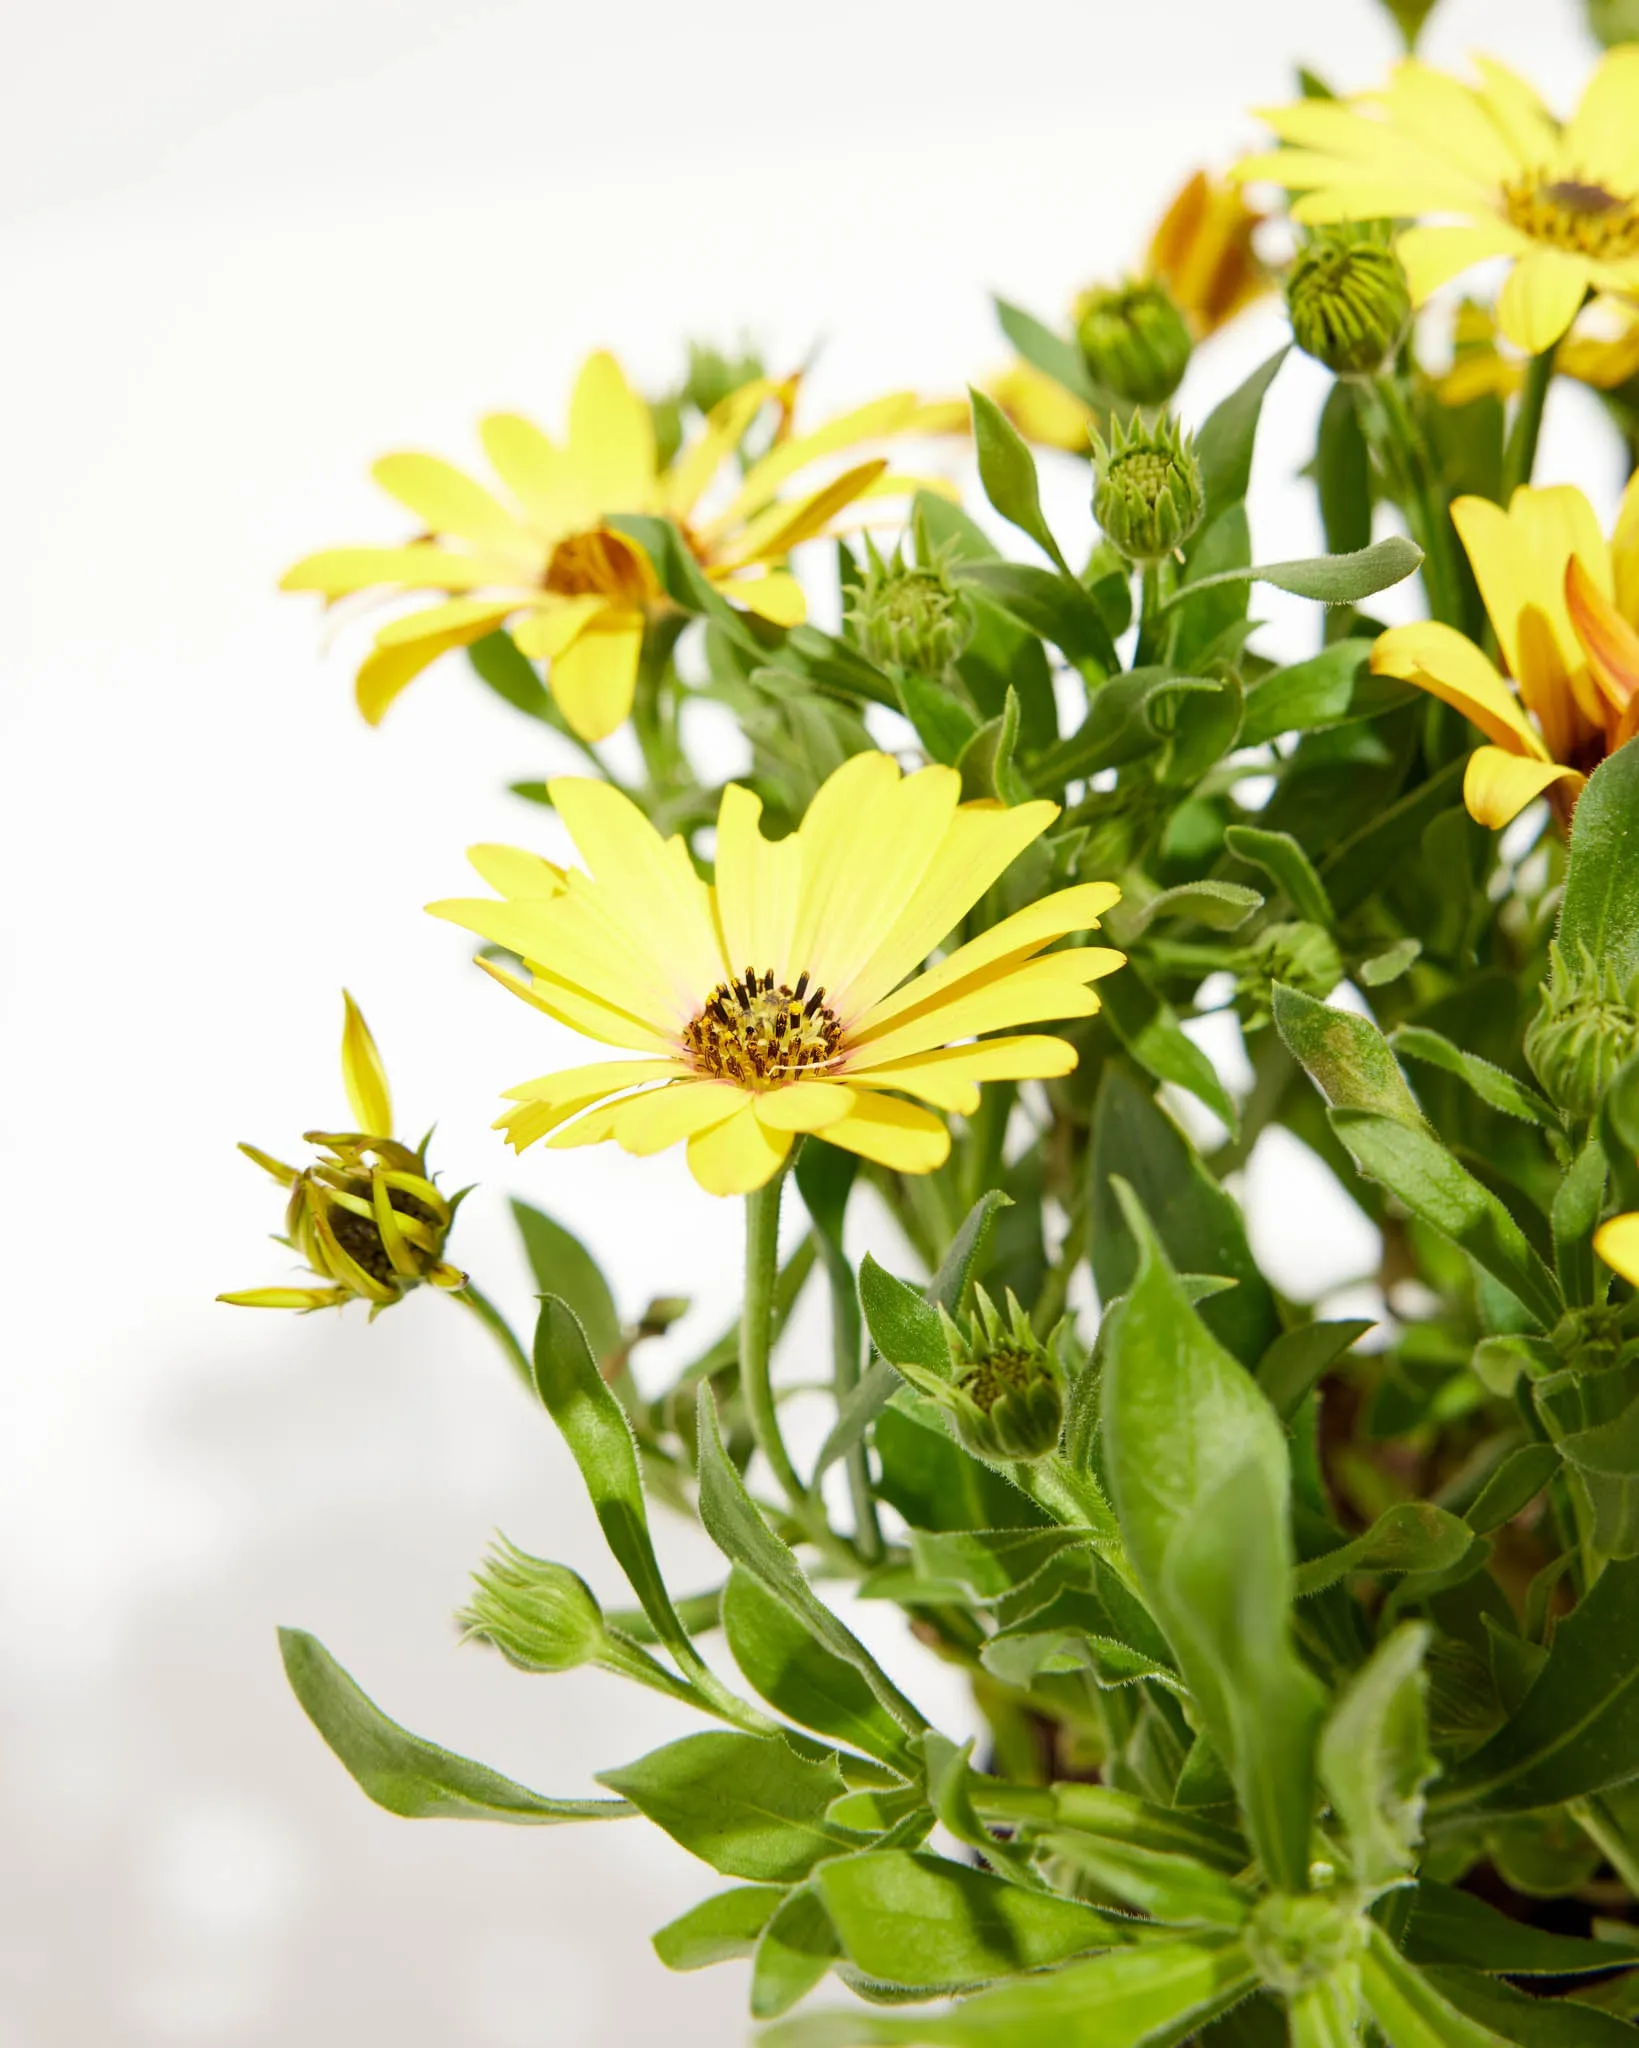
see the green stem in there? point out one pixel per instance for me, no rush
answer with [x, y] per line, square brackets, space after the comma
[704, 1690]
[1155, 587]
[756, 1338]
[1520, 456]
[500, 1329]
[846, 1335]
[1597, 1822]
[1404, 455]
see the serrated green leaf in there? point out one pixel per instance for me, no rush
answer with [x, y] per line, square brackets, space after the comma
[408, 1776]
[1283, 860]
[1375, 1760]
[1493, 1085]
[1345, 1055]
[990, 1562]
[1415, 1536]
[563, 1266]
[1408, 2008]
[1220, 906]
[1170, 1888]
[721, 1929]
[797, 1948]
[1599, 913]
[1458, 1928]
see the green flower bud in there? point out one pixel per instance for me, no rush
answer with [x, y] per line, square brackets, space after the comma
[1348, 299]
[1295, 1941]
[715, 375]
[1133, 340]
[540, 1616]
[1147, 490]
[1302, 955]
[1614, 21]
[1587, 1028]
[1409, 18]
[910, 615]
[1008, 1393]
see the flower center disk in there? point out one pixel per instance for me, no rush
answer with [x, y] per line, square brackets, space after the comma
[1570, 213]
[596, 564]
[760, 1033]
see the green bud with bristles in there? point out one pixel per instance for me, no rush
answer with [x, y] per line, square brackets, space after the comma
[540, 1616]
[1298, 954]
[1134, 340]
[1148, 494]
[1587, 1028]
[1007, 1394]
[910, 615]
[1348, 298]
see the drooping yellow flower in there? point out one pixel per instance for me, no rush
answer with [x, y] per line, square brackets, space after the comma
[366, 1216]
[1565, 608]
[775, 1001]
[1202, 252]
[543, 561]
[1485, 171]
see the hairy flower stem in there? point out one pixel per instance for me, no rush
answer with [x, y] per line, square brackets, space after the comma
[846, 1335]
[1157, 582]
[1400, 449]
[1520, 456]
[756, 1340]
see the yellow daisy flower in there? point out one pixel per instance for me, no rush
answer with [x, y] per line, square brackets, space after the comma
[1601, 351]
[771, 1003]
[366, 1216]
[543, 562]
[1499, 174]
[1565, 608]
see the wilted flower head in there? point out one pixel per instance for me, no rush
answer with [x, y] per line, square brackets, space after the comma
[365, 1215]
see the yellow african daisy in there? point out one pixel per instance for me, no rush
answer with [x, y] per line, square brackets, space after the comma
[542, 561]
[770, 1003]
[1485, 171]
[1565, 607]
[1601, 351]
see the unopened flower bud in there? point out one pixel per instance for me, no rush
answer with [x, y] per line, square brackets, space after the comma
[1587, 1028]
[1007, 1397]
[1302, 955]
[1348, 299]
[910, 615]
[1148, 495]
[1298, 1940]
[1134, 340]
[365, 1215]
[540, 1616]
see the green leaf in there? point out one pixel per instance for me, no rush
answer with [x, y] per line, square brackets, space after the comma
[1345, 1055]
[1162, 1987]
[721, 1929]
[1410, 2011]
[1150, 1031]
[1007, 469]
[1294, 1363]
[1198, 1463]
[1283, 860]
[399, 1770]
[1198, 1219]
[1578, 1731]
[1417, 1169]
[746, 1804]
[1375, 1759]
[1051, 353]
[733, 1523]
[1220, 906]
[943, 723]
[1451, 1926]
[1414, 1536]
[1600, 910]
[1331, 688]
[1124, 1817]
[802, 1679]
[797, 1948]
[1168, 1887]
[1327, 579]
[681, 576]
[595, 1428]
[904, 1326]
[1225, 443]
[990, 1562]
[1387, 966]
[926, 1923]
[1055, 606]
[1493, 1085]
[1356, 870]
[1118, 728]
[986, 760]
[1514, 1485]
[1530, 2022]
[511, 675]
[1343, 472]
[563, 1266]
[965, 1258]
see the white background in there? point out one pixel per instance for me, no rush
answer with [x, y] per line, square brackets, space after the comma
[246, 249]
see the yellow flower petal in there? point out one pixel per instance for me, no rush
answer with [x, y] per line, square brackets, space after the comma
[804, 1106]
[657, 1121]
[541, 1106]
[439, 621]
[1516, 107]
[513, 872]
[1014, 939]
[1602, 137]
[555, 624]
[611, 438]
[336, 572]
[775, 595]
[446, 500]
[363, 1075]
[1434, 256]
[1617, 1243]
[726, 427]
[1452, 120]
[565, 1004]
[759, 883]
[893, 1133]
[1611, 644]
[543, 478]
[1441, 660]
[1541, 296]
[1497, 786]
[1039, 991]
[784, 526]
[949, 1077]
[739, 1155]
[1042, 410]
[1625, 553]
[390, 669]
[865, 423]
[287, 1297]
[594, 679]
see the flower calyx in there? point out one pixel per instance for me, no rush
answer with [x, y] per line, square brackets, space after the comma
[1148, 491]
[911, 616]
[1586, 1029]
